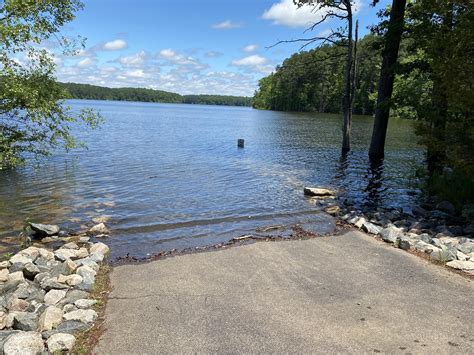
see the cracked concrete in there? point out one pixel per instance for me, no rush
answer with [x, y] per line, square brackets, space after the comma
[344, 294]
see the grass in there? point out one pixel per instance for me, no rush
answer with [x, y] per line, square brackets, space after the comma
[86, 340]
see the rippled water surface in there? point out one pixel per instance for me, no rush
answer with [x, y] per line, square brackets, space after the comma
[171, 176]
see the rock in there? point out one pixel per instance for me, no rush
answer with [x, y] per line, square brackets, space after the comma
[100, 248]
[54, 296]
[443, 255]
[332, 210]
[360, 222]
[371, 228]
[74, 280]
[88, 262]
[16, 276]
[70, 245]
[51, 283]
[425, 237]
[82, 253]
[4, 335]
[9, 286]
[65, 254]
[69, 308]
[70, 326]
[98, 229]
[25, 321]
[50, 318]
[74, 295]
[87, 273]
[4, 264]
[4, 275]
[46, 254]
[461, 256]
[461, 265]
[44, 230]
[96, 257]
[404, 244]
[84, 303]
[425, 247]
[60, 342]
[30, 271]
[313, 191]
[85, 316]
[24, 343]
[19, 258]
[3, 320]
[17, 305]
[390, 234]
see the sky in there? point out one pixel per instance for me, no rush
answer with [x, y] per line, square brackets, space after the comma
[190, 46]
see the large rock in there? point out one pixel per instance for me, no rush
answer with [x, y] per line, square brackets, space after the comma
[100, 248]
[65, 254]
[20, 258]
[390, 234]
[84, 303]
[50, 318]
[30, 271]
[74, 295]
[445, 254]
[60, 342]
[371, 228]
[87, 273]
[4, 275]
[25, 321]
[54, 296]
[44, 230]
[82, 315]
[24, 343]
[462, 265]
[51, 283]
[320, 192]
[98, 229]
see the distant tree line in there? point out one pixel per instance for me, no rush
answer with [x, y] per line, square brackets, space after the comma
[92, 92]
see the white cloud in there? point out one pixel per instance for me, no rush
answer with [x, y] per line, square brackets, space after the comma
[213, 54]
[250, 48]
[138, 73]
[85, 63]
[286, 13]
[167, 53]
[134, 60]
[252, 60]
[115, 45]
[226, 25]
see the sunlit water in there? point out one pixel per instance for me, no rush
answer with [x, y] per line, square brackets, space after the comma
[171, 176]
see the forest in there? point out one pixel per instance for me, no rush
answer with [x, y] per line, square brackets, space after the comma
[92, 92]
[417, 63]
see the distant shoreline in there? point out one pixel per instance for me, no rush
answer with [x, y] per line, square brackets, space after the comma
[93, 92]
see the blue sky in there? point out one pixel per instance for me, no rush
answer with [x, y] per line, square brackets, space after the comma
[205, 46]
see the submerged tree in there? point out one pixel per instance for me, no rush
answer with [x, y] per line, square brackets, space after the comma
[33, 117]
[342, 10]
[392, 39]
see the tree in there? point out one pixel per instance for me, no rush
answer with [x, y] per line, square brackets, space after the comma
[33, 116]
[342, 10]
[392, 40]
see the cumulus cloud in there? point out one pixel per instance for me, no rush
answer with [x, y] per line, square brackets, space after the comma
[250, 48]
[133, 60]
[252, 60]
[226, 25]
[167, 53]
[115, 45]
[286, 13]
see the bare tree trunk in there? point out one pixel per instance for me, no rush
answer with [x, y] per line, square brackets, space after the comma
[346, 100]
[387, 76]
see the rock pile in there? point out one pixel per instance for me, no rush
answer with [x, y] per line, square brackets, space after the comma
[449, 244]
[45, 295]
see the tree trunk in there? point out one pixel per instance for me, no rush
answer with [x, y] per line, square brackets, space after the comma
[387, 76]
[346, 100]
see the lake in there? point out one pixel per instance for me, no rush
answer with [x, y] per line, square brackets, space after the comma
[171, 176]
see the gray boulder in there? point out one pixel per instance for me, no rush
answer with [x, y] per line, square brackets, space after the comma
[25, 321]
[44, 230]
[390, 234]
[60, 342]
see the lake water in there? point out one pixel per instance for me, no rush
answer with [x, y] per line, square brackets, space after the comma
[171, 176]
